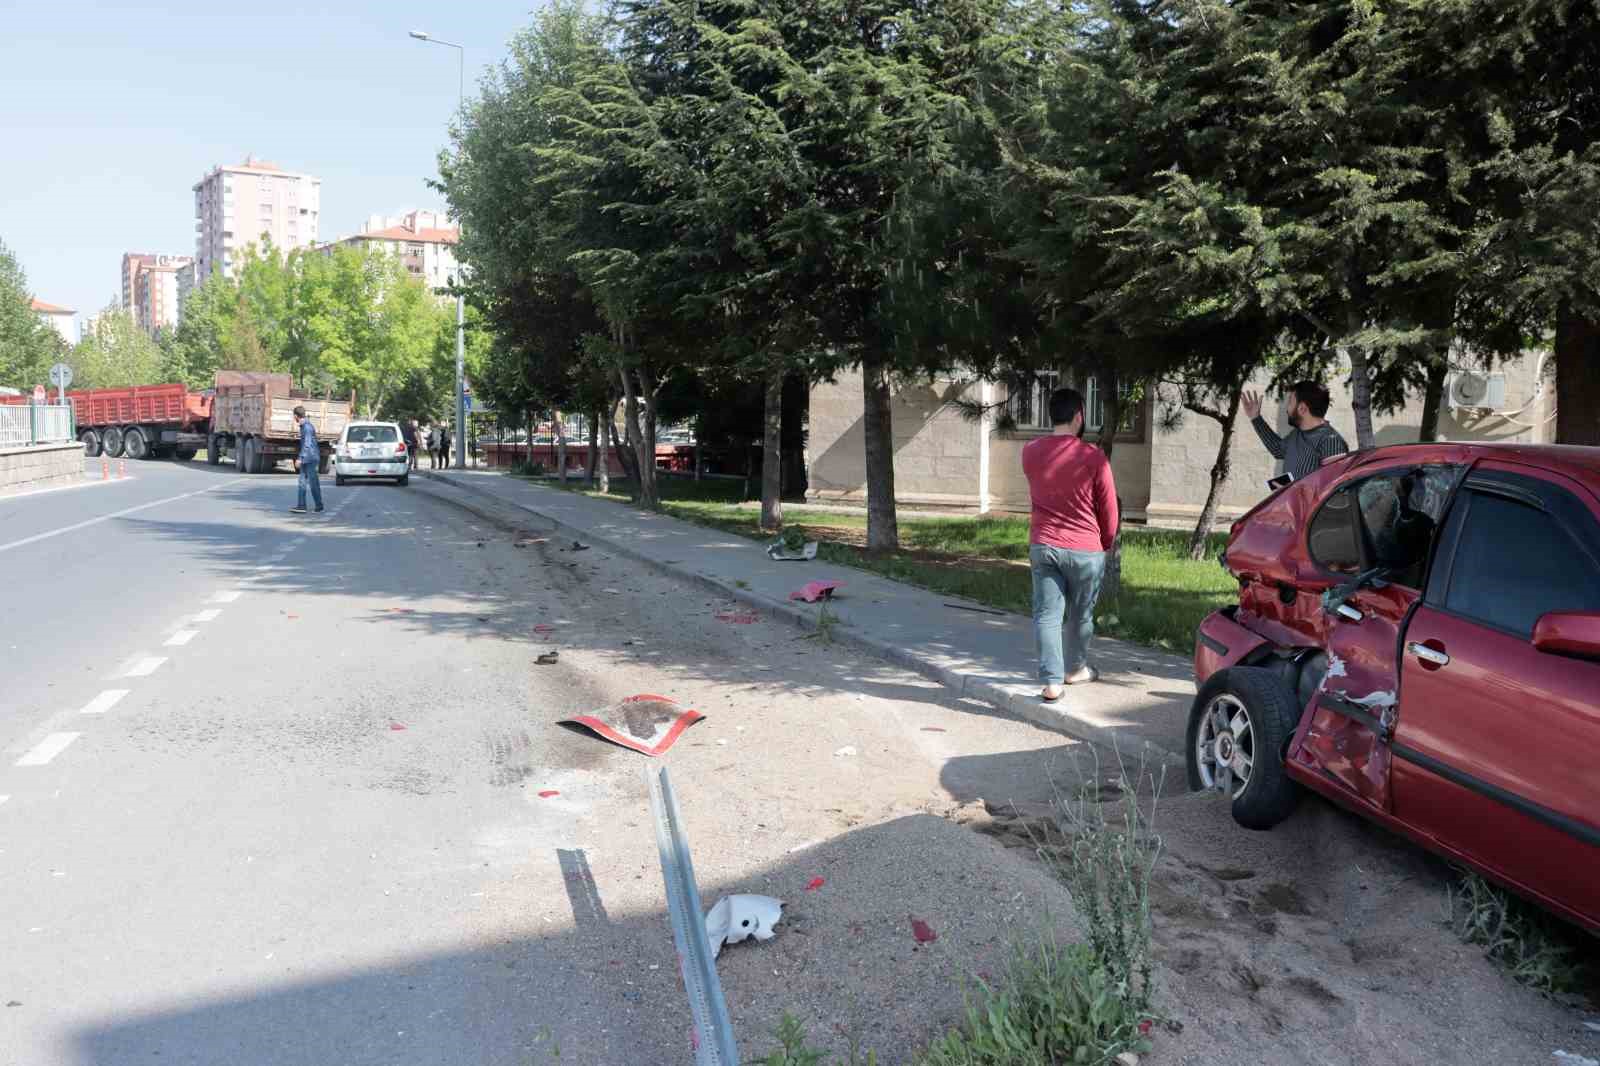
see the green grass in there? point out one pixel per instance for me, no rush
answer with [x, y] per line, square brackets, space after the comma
[1534, 948]
[1165, 594]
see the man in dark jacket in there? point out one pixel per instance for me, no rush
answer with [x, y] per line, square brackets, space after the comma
[408, 433]
[1311, 438]
[310, 457]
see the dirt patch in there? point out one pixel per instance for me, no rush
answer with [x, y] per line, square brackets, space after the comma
[1320, 942]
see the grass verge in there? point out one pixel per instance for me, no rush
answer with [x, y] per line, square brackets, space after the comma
[1165, 594]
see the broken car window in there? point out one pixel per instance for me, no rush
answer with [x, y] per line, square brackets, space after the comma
[1514, 563]
[1332, 539]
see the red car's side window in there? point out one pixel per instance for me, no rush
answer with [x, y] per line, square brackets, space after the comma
[1514, 562]
[1385, 520]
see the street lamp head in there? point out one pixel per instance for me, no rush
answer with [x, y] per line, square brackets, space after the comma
[420, 35]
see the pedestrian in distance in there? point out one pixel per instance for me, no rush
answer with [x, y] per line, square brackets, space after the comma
[444, 447]
[434, 432]
[1073, 525]
[408, 433]
[1311, 438]
[310, 456]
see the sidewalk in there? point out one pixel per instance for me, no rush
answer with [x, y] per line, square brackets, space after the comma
[1140, 704]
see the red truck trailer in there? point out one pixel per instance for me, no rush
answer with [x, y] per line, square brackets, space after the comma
[139, 421]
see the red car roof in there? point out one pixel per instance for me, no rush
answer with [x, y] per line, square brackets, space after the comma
[1580, 464]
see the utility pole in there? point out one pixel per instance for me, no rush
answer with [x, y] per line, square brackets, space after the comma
[461, 299]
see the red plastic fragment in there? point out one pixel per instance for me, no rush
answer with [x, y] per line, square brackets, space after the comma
[1144, 1027]
[922, 931]
[815, 883]
[547, 793]
[396, 727]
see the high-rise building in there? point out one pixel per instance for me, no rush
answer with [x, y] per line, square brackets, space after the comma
[186, 285]
[155, 297]
[255, 202]
[425, 241]
[132, 263]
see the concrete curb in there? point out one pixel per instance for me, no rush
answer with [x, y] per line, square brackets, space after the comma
[1021, 700]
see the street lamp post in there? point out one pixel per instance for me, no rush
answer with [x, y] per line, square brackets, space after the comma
[461, 304]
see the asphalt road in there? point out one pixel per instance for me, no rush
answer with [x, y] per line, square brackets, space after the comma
[288, 790]
[254, 779]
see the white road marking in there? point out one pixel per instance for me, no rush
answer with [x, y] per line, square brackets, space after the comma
[145, 667]
[4, 798]
[108, 517]
[48, 749]
[208, 615]
[87, 483]
[181, 637]
[225, 596]
[105, 701]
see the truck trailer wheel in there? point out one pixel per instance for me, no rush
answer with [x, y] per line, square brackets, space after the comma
[240, 453]
[213, 450]
[91, 443]
[111, 441]
[135, 443]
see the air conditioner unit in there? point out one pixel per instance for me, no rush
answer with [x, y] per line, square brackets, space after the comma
[1476, 390]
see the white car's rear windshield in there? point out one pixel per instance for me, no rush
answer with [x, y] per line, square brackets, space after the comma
[373, 435]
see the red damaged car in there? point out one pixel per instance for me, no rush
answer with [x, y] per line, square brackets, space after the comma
[1417, 638]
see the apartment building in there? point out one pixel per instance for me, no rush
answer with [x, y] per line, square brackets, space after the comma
[424, 240]
[60, 319]
[254, 202]
[132, 263]
[155, 298]
[185, 283]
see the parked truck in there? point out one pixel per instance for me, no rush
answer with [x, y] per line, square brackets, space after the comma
[252, 417]
[139, 421]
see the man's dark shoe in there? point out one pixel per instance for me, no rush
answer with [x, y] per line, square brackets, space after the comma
[321, 509]
[297, 510]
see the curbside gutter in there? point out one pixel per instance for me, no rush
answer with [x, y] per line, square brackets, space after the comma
[1019, 699]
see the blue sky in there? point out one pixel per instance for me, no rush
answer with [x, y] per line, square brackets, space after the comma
[113, 111]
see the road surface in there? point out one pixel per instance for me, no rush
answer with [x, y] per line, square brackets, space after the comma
[287, 789]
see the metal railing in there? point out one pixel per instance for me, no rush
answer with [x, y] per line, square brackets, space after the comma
[27, 425]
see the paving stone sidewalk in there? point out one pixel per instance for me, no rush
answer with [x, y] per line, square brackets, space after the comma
[1140, 704]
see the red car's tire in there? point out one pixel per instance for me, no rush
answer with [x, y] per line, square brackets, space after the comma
[1239, 728]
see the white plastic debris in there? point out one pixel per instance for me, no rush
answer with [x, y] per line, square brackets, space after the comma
[737, 918]
[845, 752]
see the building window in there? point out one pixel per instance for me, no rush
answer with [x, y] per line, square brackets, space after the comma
[1029, 402]
[1132, 427]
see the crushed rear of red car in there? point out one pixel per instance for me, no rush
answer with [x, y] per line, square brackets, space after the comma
[1417, 638]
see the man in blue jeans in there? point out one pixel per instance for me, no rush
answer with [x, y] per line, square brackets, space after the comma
[1074, 524]
[310, 458]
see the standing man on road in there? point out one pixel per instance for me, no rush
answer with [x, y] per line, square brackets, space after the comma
[408, 433]
[1311, 439]
[433, 446]
[1074, 524]
[310, 457]
[444, 446]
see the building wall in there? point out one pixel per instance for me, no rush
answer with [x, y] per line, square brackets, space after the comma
[1181, 461]
[238, 206]
[156, 297]
[63, 323]
[184, 281]
[937, 450]
[1130, 467]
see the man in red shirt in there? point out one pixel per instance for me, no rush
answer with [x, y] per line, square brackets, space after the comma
[1074, 524]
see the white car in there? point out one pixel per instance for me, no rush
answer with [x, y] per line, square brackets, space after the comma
[371, 450]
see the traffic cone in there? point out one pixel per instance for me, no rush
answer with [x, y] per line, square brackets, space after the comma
[105, 469]
[122, 468]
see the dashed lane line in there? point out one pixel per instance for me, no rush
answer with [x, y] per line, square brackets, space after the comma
[145, 667]
[225, 596]
[108, 517]
[105, 701]
[48, 749]
[181, 637]
[208, 615]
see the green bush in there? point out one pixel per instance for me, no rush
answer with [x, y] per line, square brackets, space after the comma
[1534, 948]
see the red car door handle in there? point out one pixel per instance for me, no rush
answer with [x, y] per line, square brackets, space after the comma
[1431, 656]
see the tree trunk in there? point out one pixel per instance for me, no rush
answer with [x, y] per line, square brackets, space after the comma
[624, 455]
[796, 394]
[1577, 353]
[561, 448]
[594, 448]
[645, 407]
[1433, 396]
[1219, 476]
[877, 423]
[1110, 409]
[772, 453]
[1361, 397]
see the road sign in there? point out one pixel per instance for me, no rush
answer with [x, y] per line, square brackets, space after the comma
[61, 375]
[38, 394]
[467, 399]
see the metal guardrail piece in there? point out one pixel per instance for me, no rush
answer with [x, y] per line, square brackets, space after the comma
[713, 1040]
